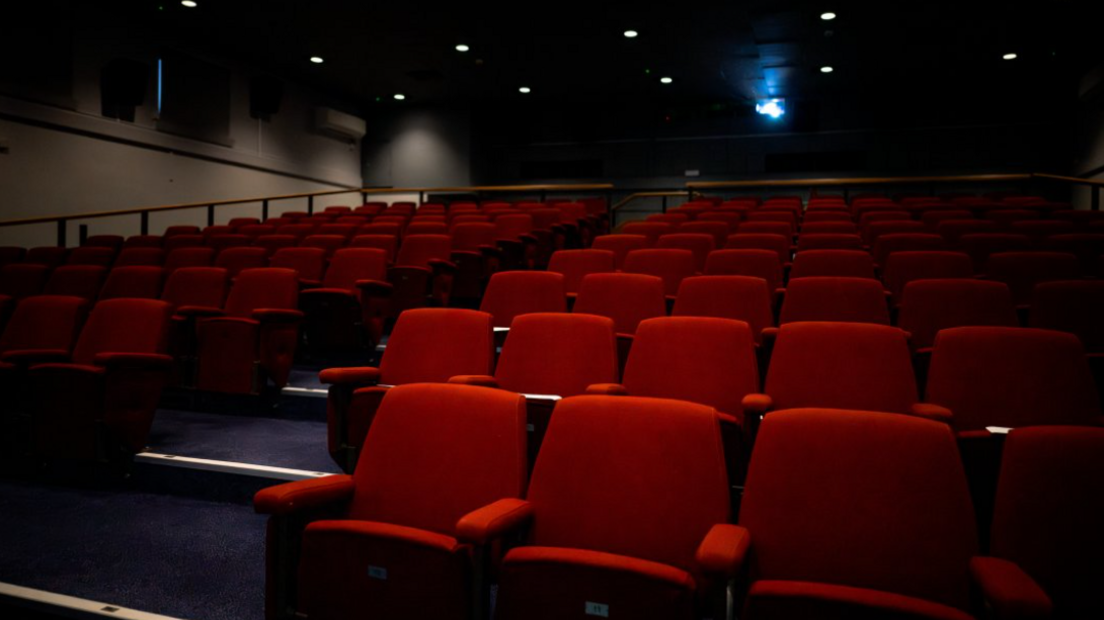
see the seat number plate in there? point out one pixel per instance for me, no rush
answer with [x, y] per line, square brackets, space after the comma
[597, 609]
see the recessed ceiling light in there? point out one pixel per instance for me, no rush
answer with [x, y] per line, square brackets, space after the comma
[631, 34]
[191, 4]
[317, 60]
[525, 90]
[1010, 57]
[665, 80]
[462, 48]
[826, 69]
[829, 16]
[400, 96]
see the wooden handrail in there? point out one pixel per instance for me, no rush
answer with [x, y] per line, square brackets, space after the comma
[496, 188]
[1073, 180]
[980, 178]
[645, 195]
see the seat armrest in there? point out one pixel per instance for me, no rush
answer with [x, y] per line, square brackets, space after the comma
[439, 265]
[300, 495]
[277, 315]
[479, 380]
[198, 311]
[527, 238]
[30, 357]
[757, 404]
[769, 335]
[133, 360]
[375, 288]
[607, 389]
[1008, 590]
[360, 377]
[493, 521]
[928, 411]
[724, 549]
[490, 250]
[309, 284]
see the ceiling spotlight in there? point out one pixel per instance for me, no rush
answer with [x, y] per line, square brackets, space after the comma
[462, 48]
[631, 34]
[665, 80]
[525, 90]
[826, 69]
[829, 16]
[1009, 56]
[399, 96]
[317, 60]
[191, 4]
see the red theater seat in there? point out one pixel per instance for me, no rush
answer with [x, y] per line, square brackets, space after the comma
[140, 257]
[741, 298]
[826, 241]
[346, 312]
[308, 263]
[904, 267]
[254, 340]
[753, 263]
[808, 552]
[77, 280]
[443, 471]
[238, 259]
[778, 244]
[1021, 271]
[672, 266]
[513, 293]
[699, 244]
[847, 300]
[428, 345]
[928, 306]
[836, 263]
[133, 282]
[422, 273]
[620, 245]
[574, 265]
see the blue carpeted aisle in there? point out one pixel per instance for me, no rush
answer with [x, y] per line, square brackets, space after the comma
[182, 557]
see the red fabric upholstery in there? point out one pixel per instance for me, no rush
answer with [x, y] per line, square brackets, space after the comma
[626, 298]
[23, 280]
[176, 242]
[188, 257]
[779, 244]
[181, 230]
[850, 300]
[1048, 514]
[1011, 377]
[472, 236]
[1071, 306]
[774, 224]
[1085, 246]
[557, 353]
[44, 322]
[754, 263]
[388, 243]
[953, 230]
[1021, 271]
[272, 243]
[712, 225]
[140, 257]
[906, 242]
[76, 280]
[874, 230]
[982, 245]
[621, 487]
[841, 366]
[327, 243]
[650, 230]
[136, 282]
[671, 265]
[928, 306]
[513, 293]
[828, 227]
[1038, 230]
[826, 241]
[98, 256]
[901, 268]
[237, 259]
[574, 265]
[50, 256]
[741, 298]
[307, 262]
[221, 243]
[892, 516]
[700, 244]
[341, 315]
[196, 286]
[833, 263]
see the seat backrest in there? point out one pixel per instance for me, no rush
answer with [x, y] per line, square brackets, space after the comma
[1048, 514]
[671, 265]
[436, 452]
[23, 279]
[873, 230]
[272, 243]
[350, 265]
[181, 229]
[928, 306]
[838, 263]
[953, 230]
[514, 225]
[236, 260]
[603, 482]
[45, 322]
[771, 227]
[513, 293]
[620, 245]
[1021, 271]
[124, 326]
[889, 495]
[650, 230]
[558, 353]
[1074, 306]
[841, 366]
[327, 243]
[188, 257]
[1087, 247]
[268, 287]
[51, 256]
[829, 241]
[1012, 377]
[418, 250]
[470, 236]
[717, 229]
[627, 298]
[225, 242]
[754, 263]
[700, 244]
[137, 282]
[741, 298]
[140, 257]
[698, 359]
[436, 344]
[778, 244]
[196, 286]
[829, 227]
[381, 228]
[904, 267]
[183, 241]
[574, 265]
[849, 300]
[144, 241]
[77, 280]
[309, 263]
[906, 242]
[388, 243]
[340, 230]
[91, 255]
[981, 245]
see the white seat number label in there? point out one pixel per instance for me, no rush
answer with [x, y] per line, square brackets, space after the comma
[597, 609]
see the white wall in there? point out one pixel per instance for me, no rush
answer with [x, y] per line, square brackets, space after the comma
[65, 158]
[419, 148]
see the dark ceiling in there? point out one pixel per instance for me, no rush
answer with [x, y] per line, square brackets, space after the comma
[720, 54]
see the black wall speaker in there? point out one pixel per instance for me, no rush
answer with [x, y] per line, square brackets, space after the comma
[123, 85]
[265, 95]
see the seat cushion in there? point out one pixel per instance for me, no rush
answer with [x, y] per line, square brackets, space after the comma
[783, 600]
[367, 569]
[553, 582]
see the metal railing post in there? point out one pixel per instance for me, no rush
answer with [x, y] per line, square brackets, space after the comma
[264, 210]
[82, 233]
[310, 205]
[210, 215]
[664, 204]
[62, 229]
[145, 223]
[1096, 198]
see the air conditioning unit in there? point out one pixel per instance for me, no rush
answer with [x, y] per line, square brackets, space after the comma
[339, 123]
